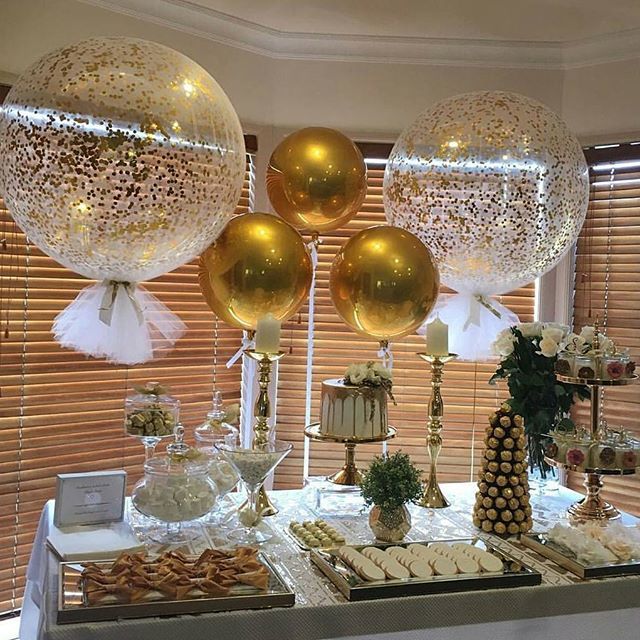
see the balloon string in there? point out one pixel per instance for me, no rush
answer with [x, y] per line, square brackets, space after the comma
[313, 251]
[385, 354]
[247, 388]
[247, 343]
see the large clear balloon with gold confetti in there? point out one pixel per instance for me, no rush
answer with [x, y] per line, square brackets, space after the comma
[122, 159]
[497, 187]
[494, 183]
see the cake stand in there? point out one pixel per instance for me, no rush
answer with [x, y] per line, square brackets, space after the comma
[349, 475]
[593, 506]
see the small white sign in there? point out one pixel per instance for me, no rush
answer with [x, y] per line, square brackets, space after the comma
[89, 498]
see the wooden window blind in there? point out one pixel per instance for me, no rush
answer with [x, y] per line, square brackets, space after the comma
[62, 412]
[607, 285]
[467, 395]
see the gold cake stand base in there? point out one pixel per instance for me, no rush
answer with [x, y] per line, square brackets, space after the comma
[593, 506]
[349, 475]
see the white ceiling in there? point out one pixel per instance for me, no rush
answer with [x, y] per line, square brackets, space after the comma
[558, 21]
[549, 34]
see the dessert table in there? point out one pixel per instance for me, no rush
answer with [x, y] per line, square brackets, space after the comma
[563, 604]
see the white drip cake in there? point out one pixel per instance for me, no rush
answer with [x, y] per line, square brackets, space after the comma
[352, 411]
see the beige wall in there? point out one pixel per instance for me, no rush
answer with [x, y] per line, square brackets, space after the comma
[598, 103]
[602, 103]
[31, 28]
[282, 93]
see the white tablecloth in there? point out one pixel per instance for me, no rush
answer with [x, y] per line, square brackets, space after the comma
[563, 605]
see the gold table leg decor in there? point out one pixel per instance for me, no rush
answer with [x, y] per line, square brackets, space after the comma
[262, 412]
[433, 497]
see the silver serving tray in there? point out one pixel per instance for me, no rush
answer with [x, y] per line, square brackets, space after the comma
[539, 543]
[353, 587]
[73, 609]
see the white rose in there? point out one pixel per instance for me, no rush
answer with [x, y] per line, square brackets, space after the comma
[548, 347]
[588, 334]
[504, 345]
[356, 373]
[557, 325]
[382, 372]
[530, 329]
[553, 333]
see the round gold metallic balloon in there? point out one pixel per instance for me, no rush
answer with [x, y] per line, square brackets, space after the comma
[258, 265]
[384, 282]
[317, 179]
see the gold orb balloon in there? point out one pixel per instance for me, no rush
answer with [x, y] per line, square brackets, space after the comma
[258, 265]
[317, 179]
[120, 158]
[384, 282]
[494, 184]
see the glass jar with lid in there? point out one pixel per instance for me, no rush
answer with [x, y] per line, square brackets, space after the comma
[176, 488]
[150, 415]
[217, 430]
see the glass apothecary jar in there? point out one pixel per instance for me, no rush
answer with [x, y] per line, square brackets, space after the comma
[150, 415]
[176, 488]
[216, 430]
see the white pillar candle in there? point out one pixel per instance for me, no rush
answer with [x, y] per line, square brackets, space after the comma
[268, 334]
[437, 336]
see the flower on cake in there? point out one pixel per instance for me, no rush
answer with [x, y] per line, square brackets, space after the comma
[370, 374]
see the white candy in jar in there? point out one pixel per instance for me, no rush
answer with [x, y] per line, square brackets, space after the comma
[175, 499]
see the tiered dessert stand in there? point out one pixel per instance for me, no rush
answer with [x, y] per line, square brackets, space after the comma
[349, 475]
[593, 506]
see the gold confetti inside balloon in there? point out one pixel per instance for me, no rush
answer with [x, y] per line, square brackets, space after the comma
[384, 282]
[121, 158]
[317, 179]
[258, 265]
[494, 184]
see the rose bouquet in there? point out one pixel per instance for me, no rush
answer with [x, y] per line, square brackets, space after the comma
[528, 354]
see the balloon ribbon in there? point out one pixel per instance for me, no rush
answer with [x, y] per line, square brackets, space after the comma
[247, 343]
[474, 310]
[109, 299]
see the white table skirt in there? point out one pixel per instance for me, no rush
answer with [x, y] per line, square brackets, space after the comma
[562, 606]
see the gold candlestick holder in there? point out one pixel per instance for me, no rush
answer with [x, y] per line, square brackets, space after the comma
[262, 412]
[433, 497]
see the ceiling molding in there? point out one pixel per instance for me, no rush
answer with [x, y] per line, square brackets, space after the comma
[255, 38]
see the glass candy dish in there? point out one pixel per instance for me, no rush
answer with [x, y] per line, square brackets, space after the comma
[150, 415]
[253, 467]
[176, 488]
[216, 430]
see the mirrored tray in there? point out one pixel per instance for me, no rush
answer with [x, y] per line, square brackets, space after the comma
[72, 607]
[566, 558]
[353, 587]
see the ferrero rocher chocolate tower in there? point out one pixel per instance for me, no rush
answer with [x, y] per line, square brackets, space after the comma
[502, 501]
